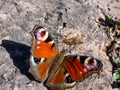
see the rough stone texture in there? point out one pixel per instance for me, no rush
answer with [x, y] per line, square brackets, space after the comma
[63, 19]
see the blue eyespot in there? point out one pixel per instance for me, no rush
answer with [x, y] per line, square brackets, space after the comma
[37, 60]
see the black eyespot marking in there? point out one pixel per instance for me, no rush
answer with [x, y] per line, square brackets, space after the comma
[53, 45]
[74, 58]
[37, 60]
[68, 79]
[38, 27]
[82, 59]
[49, 38]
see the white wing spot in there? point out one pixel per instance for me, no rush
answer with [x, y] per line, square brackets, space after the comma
[38, 47]
[32, 61]
[42, 59]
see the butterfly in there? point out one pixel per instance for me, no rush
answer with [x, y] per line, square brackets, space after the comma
[52, 67]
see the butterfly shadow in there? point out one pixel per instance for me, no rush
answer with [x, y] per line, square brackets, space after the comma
[20, 54]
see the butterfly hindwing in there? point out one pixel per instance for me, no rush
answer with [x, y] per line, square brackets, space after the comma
[72, 70]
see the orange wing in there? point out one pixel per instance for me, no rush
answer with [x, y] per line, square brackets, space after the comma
[43, 52]
[43, 49]
[43, 45]
[72, 70]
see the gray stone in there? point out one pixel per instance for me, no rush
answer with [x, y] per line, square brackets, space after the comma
[60, 17]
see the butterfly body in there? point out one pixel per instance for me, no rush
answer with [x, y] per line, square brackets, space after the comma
[55, 69]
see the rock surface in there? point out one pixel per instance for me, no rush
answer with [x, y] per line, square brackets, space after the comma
[63, 19]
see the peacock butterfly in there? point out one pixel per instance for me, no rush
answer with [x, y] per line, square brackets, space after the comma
[55, 69]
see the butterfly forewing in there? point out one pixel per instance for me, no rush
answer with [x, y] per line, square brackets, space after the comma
[43, 51]
[43, 44]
